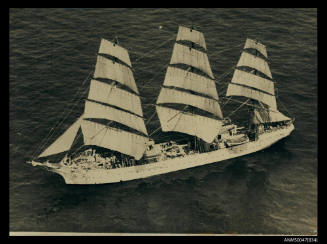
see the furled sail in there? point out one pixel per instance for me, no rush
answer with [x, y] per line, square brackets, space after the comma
[65, 141]
[184, 79]
[114, 139]
[255, 62]
[112, 95]
[168, 95]
[192, 124]
[108, 69]
[96, 110]
[185, 33]
[107, 47]
[257, 46]
[185, 55]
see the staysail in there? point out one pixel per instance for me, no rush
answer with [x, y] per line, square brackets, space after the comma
[251, 85]
[65, 141]
[109, 100]
[265, 115]
[189, 88]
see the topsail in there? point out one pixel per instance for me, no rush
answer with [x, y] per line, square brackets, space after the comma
[65, 141]
[257, 46]
[112, 49]
[187, 34]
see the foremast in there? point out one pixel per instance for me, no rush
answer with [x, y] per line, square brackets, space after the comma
[114, 98]
[182, 86]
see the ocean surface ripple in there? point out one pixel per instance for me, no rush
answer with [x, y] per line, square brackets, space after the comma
[52, 51]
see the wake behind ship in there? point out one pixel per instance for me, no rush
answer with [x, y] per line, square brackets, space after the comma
[116, 145]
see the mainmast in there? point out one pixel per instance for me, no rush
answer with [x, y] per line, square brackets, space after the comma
[256, 87]
[183, 86]
[114, 97]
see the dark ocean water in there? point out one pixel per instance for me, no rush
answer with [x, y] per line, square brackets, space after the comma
[52, 51]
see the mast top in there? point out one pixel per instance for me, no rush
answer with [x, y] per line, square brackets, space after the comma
[115, 41]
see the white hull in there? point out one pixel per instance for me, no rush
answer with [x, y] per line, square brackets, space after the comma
[102, 176]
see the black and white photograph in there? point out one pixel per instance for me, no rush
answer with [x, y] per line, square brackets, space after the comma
[163, 121]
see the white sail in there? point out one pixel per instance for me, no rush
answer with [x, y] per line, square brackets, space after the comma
[276, 116]
[109, 69]
[96, 110]
[260, 116]
[192, 124]
[192, 35]
[256, 45]
[168, 95]
[109, 94]
[251, 80]
[114, 139]
[181, 78]
[268, 116]
[185, 55]
[64, 142]
[238, 90]
[255, 62]
[107, 47]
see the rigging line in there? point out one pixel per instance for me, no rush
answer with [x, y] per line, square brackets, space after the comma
[59, 124]
[169, 120]
[224, 50]
[154, 76]
[154, 49]
[179, 117]
[234, 100]
[238, 108]
[177, 114]
[105, 127]
[45, 140]
[150, 118]
[226, 102]
[155, 131]
[230, 70]
[112, 87]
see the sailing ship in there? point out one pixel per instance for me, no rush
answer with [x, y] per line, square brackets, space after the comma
[120, 149]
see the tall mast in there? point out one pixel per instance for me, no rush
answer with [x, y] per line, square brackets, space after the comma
[113, 97]
[254, 86]
[184, 86]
